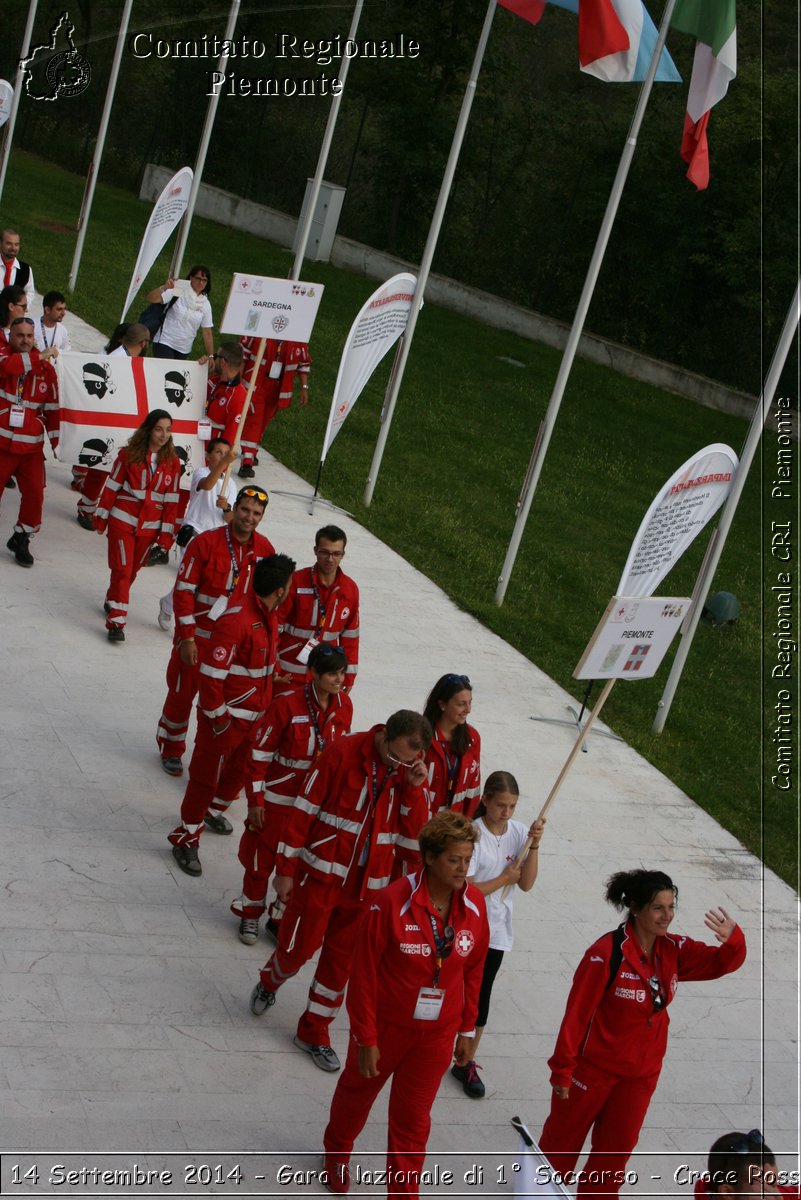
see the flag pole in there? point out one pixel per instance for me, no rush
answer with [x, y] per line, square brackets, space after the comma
[428, 254]
[333, 113]
[709, 567]
[200, 161]
[12, 117]
[580, 317]
[94, 166]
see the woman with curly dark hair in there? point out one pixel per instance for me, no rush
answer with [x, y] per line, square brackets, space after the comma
[138, 507]
[613, 1036]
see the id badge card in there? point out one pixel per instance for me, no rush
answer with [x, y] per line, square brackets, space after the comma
[275, 369]
[16, 416]
[303, 655]
[429, 1003]
[218, 608]
[204, 430]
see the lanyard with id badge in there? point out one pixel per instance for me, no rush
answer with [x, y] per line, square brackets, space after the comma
[221, 603]
[429, 999]
[16, 414]
[316, 637]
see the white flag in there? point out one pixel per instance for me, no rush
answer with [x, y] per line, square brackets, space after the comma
[6, 100]
[167, 212]
[689, 499]
[381, 321]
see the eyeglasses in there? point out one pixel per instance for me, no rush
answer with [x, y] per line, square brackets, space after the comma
[461, 679]
[21, 321]
[745, 1145]
[253, 493]
[23, 304]
[657, 995]
[399, 761]
[329, 553]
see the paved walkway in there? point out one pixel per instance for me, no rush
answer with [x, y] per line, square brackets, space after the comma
[124, 1022]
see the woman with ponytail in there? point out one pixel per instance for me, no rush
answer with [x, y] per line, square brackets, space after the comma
[613, 1036]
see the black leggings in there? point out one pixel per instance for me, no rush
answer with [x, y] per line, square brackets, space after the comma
[491, 968]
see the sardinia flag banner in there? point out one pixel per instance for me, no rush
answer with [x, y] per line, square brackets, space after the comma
[105, 398]
[616, 38]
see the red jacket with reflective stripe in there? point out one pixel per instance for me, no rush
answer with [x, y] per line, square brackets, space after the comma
[224, 404]
[395, 957]
[302, 617]
[615, 1027]
[39, 398]
[293, 357]
[288, 743]
[206, 573]
[464, 795]
[143, 498]
[335, 818]
[235, 676]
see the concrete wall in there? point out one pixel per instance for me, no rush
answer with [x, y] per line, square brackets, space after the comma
[277, 227]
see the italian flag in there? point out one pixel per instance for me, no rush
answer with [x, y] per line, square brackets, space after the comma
[713, 23]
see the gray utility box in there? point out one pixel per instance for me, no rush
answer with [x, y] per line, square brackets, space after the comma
[324, 222]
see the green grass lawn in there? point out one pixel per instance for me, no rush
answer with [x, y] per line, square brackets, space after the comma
[455, 461]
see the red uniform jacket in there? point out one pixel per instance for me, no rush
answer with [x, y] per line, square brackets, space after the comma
[329, 614]
[224, 404]
[143, 497]
[295, 732]
[454, 781]
[351, 814]
[292, 356]
[29, 381]
[235, 677]
[207, 572]
[702, 1192]
[396, 956]
[615, 1028]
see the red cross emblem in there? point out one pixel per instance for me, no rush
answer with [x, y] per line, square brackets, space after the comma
[464, 942]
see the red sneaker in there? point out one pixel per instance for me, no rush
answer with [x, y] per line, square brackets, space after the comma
[336, 1175]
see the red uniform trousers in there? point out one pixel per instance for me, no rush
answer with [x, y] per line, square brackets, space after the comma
[615, 1106]
[91, 487]
[29, 470]
[417, 1060]
[317, 914]
[177, 711]
[257, 853]
[263, 407]
[127, 554]
[216, 775]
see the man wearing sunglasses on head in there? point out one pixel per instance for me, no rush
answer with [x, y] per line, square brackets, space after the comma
[323, 607]
[215, 571]
[28, 413]
[362, 805]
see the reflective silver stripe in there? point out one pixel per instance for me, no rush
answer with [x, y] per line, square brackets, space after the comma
[407, 843]
[172, 724]
[349, 633]
[340, 823]
[306, 807]
[211, 713]
[245, 714]
[249, 672]
[16, 436]
[281, 779]
[374, 885]
[288, 851]
[387, 839]
[271, 797]
[214, 672]
[297, 764]
[322, 865]
[323, 1010]
[326, 993]
[181, 586]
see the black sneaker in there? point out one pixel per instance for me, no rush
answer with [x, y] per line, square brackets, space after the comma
[261, 1000]
[246, 472]
[157, 557]
[106, 607]
[272, 929]
[11, 483]
[172, 765]
[116, 634]
[249, 931]
[85, 522]
[18, 545]
[469, 1078]
[217, 823]
[187, 859]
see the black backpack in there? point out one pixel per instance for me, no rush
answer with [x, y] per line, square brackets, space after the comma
[153, 316]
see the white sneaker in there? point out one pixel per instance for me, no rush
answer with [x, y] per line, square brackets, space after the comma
[164, 618]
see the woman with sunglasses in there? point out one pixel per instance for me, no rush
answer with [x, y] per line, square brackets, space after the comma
[453, 761]
[413, 989]
[613, 1035]
[297, 727]
[138, 507]
[187, 311]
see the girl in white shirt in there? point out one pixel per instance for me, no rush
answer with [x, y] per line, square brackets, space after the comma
[492, 870]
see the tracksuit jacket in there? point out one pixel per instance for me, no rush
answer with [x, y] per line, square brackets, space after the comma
[206, 573]
[329, 831]
[328, 614]
[143, 499]
[31, 380]
[235, 677]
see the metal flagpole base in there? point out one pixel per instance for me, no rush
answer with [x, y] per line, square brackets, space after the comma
[312, 500]
[575, 723]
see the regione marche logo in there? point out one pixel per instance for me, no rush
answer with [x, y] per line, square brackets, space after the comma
[55, 69]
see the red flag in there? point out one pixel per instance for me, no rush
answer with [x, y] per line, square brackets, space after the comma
[600, 32]
[529, 10]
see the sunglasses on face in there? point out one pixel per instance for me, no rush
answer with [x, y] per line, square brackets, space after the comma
[461, 679]
[21, 321]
